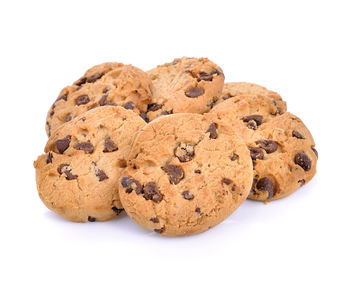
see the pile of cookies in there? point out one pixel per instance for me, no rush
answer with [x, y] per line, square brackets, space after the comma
[175, 147]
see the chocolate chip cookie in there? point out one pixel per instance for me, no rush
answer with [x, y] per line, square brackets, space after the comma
[185, 174]
[185, 85]
[77, 176]
[234, 89]
[281, 147]
[104, 84]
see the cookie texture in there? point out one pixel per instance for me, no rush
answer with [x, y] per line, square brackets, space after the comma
[77, 176]
[185, 174]
[189, 85]
[281, 147]
[104, 84]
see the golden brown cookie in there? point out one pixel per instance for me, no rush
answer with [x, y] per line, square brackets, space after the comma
[77, 176]
[185, 174]
[104, 84]
[185, 85]
[281, 147]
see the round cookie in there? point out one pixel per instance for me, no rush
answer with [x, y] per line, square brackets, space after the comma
[104, 84]
[185, 174]
[285, 157]
[186, 85]
[274, 141]
[77, 176]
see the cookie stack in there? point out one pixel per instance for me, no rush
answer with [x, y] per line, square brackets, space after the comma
[176, 148]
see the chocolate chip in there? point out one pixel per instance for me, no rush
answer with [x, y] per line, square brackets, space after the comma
[198, 211]
[187, 195]
[81, 81]
[151, 192]
[159, 230]
[303, 161]
[144, 117]
[105, 90]
[93, 78]
[212, 103]
[103, 100]
[252, 125]
[315, 151]
[166, 112]
[205, 76]
[255, 180]
[117, 211]
[68, 117]
[154, 220]
[67, 170]
[216, 71]
[194, 92]
[100, 174]
[268, 145]
[52, 113]
[197, 171]
[83, 119]
[254, 164]
[184, 152]
[175, 173]
[226, 181]
[129, 105]
[63, 144]
[154, 107]
[49, 158]
[212, 130]
[234, 157]
[256, 153]
[130, 184]
[266, 184]
[297, 135]
[63, 97]
[87, 147]
[91, 219]
[301, 182]
[109, 145]
[84, 99]
[256, 118]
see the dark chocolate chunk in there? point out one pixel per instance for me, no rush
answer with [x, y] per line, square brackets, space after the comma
[256, 118]
[194, 92]
[87, 147]
[83, 99]
[100, 174]
[144, 117]
[67, 170]
[159, 230]
[93, 78]
[256, 153]
[49, 158]
[117, 211]
[234, 157]
[187, 195]
[103, 100]
[154, 220]
[297, 135]
[154, 107]
[184, 152]
[315, 151]
[266, 184]
[151, 192]
[212, 130]
[91, 219]
[205, 76]
[303, 161]
[63, 144]
[130, 184]
[268, 145]
[81, 81]
[129, 105]
[226, 181]
[175, 173]
[109, 145]
[301, 182]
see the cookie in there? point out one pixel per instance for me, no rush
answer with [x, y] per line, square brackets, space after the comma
[77, 176]
[281, 147]
[186, 85]
[185, 175]
[104, 84]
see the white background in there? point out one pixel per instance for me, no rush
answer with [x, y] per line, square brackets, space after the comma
[300, 49]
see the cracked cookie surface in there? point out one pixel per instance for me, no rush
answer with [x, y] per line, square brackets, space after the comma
[281, 147]
[77, 176]
[185, 174]
[186, 85]
[104, 84]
